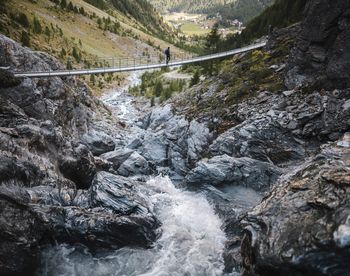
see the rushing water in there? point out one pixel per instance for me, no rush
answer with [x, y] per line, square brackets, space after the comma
[191, 243]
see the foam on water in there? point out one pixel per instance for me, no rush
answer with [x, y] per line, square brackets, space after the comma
[191, 243]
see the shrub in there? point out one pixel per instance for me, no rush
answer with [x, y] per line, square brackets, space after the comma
[25, 39]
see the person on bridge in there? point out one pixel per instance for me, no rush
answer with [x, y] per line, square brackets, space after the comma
[167, 55]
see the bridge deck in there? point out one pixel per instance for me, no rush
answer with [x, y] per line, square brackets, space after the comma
[61, 73]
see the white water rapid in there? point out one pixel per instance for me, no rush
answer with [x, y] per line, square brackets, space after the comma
[191, 243]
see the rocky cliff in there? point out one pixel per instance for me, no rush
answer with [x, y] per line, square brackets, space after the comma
[321, 57]
[52, 188]
[72, 173]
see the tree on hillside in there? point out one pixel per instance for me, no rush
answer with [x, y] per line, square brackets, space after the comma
[25, 39]
[47, 32]
[195, 78]
[75, 54]
[212, 43]
[69, 65]
[23, 20]
[37, 29]
[82, 11]
[70, 6]
[63, 52]
[212, 40]
[99, 22]
[158, 88]
[63, 4]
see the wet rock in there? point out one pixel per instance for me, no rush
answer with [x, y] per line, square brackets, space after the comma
[117, 157]
[116, 193]
[134, 165]
[302, 225]
[98, 142]
[243, 171]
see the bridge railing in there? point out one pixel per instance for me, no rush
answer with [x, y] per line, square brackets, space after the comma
[122, 62]
[117, 65]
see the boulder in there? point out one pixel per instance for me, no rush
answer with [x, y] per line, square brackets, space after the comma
[260, 138]
[243, 171]
[134, 165]
[302, 226]
[117, 157]
[98, 142]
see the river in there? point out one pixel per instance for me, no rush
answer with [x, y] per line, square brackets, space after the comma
[192, 241]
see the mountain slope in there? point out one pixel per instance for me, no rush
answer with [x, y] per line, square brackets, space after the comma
[79, 34]
[139, 10]
[243, 10]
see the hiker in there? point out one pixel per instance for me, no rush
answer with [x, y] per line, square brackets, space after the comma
[167, 54]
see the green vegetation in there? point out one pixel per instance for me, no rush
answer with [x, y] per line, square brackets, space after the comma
[153, 86]
[243, 10]
[281, 14]
[37, 29]
[141, 11]
[79, 34]
[191, 28]
[25, 39]
[195, 79]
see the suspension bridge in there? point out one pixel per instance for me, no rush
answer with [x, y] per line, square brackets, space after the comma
[116, 66]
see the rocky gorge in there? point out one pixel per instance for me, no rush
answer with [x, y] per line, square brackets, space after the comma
[112, 186]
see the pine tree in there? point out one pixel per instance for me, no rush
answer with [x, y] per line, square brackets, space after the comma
[23, 20]
[63, 52]
[99, 22]
[82, 11]
[75, 54]
[158, 88]
[47, 32]
[69, 65]
[70, 6]
[213, 40]
[37, 29]
[25, 39]
[195, 78]
[63, 4]
[92, 79]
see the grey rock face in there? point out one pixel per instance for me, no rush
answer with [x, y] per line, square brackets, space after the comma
[97, 142]
[134, 165]
[117, 157]
[42, 163]
[116, 193]
[78, 167]
[243, 171]
[303, 224]
[108, 215]
[260, 138]
[171, 140]
[321, 55]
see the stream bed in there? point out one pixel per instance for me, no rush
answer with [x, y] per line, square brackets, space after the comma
[192, 241]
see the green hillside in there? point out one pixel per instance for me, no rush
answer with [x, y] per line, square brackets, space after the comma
[80, 34]
[141, 11]
[243, 10]
[281, 14]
